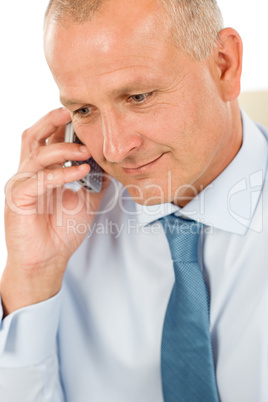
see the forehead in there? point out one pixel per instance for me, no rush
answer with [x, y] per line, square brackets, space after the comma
[127, 28]
[125, 43]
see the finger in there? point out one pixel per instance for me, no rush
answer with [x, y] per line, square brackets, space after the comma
[58, 136]
[54, 154]
[23, 189]
[43, 129]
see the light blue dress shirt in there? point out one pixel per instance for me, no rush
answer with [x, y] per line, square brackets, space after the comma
[98, 339]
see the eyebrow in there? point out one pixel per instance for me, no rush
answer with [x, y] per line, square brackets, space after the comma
[140, 87]
[70, 102]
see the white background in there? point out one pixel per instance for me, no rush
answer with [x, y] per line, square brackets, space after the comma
[28, 90]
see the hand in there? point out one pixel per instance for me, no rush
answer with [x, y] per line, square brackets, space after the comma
[38, 207]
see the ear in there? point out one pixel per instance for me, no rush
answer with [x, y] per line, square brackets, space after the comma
[228, 63]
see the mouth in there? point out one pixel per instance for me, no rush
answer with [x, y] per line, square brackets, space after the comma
[145, 168]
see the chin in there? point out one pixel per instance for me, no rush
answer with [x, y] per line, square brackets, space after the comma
[148, 198]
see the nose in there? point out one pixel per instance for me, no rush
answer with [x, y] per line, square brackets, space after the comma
[119, 136]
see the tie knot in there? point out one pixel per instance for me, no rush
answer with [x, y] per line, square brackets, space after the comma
[182, 236]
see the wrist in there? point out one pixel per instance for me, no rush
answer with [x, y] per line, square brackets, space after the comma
[24, 287]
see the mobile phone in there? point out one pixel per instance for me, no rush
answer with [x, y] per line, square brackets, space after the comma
[93, 180]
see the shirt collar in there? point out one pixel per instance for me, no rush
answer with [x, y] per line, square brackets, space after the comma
[229, 202]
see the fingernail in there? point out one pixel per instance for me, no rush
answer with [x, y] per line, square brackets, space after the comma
[83, 149]
[82, 167]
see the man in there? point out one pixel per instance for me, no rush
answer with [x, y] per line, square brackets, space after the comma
[151, 88]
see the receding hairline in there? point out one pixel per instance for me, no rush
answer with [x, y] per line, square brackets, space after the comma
[193, 25]
[76, 11]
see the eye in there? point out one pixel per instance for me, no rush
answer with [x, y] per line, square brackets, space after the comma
[139, 98]
[83, 111]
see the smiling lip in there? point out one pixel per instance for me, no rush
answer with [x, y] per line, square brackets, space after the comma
[141, 169]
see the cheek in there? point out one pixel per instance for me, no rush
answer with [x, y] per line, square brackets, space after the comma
[196, 129]
[91, 136]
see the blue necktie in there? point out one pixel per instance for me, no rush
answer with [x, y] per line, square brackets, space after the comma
[187, 367]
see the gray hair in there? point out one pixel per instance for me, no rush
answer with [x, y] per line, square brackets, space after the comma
[194, 24]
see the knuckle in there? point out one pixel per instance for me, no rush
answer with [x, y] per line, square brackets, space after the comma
[51, 114]
[34, 154]
[12, 187]
[62, 146]
[67, 147]
[47, 176]
[43, 174]
[26, 134]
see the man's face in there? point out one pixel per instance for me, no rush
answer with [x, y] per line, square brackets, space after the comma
[150, 116]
